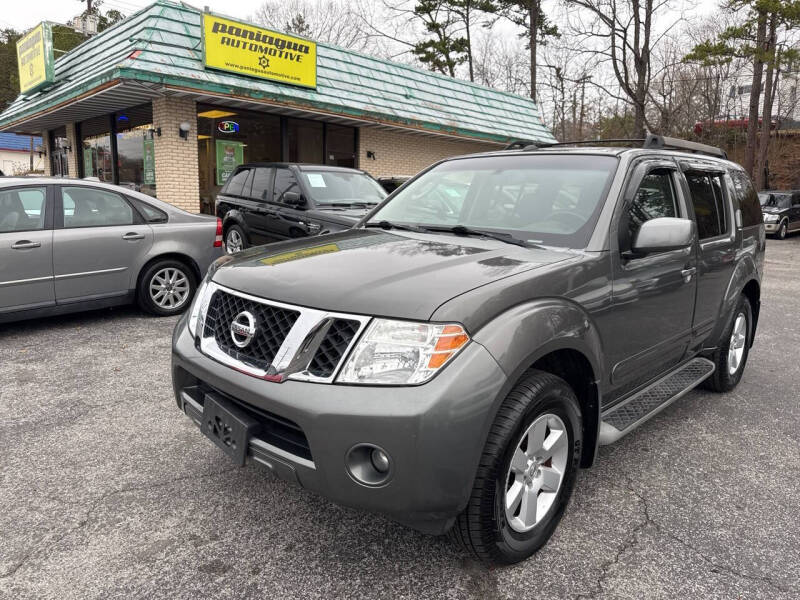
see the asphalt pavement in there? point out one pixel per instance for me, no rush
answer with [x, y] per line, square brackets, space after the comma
[108, 491]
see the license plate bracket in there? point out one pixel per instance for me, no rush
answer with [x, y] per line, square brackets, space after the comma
[229, 427]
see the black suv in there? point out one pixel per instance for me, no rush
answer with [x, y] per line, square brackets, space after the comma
[269, 202]
[454, 359]
[781, 212]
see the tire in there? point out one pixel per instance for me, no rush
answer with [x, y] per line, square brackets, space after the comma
[484, 528]
[725, 376]
[172, 277]
[783, 230]
[237, 233]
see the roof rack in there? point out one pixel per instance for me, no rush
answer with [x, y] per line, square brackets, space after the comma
[651, 142]
[519, 144]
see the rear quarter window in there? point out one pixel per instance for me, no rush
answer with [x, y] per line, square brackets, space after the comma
[748, 199]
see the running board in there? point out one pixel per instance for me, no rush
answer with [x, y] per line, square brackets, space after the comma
[626, 417]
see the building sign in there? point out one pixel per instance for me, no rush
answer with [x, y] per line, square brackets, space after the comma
[149, 162]
[88, 161]
[35, 59]
[249, 50]
[228, 127]
[229, 156]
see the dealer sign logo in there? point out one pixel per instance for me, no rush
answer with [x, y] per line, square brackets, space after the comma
[243, 329]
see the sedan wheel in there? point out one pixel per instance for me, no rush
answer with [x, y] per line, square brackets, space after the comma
[169, 289]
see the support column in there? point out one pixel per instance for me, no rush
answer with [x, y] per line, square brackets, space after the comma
[46, 157]
[177, 176]
[74, 152]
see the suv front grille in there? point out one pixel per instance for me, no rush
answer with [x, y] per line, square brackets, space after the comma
[272, 326]
[333, 347]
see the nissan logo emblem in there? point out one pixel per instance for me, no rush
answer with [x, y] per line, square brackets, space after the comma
[243, 328]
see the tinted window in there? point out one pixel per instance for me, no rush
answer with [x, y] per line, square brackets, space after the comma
[548, 199]
[285, 181]
[151, 213]
[261, 184]
[655, 198]
[237, 183]
[748, 199]
[87, 207]
[796, 200]
[709, 206]
[22, 209]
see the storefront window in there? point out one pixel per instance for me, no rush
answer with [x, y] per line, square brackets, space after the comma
[96, 149]
[341, 146]
[305, 141]
[58, 152]
[135, 149]
[227, 138]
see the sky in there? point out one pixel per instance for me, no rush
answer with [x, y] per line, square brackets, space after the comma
[24, 15]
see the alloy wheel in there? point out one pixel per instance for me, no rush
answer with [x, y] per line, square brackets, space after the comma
[737, 343]
[169, 288]
[233, 242]
[536, 472]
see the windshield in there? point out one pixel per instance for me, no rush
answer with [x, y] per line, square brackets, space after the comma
[549, 199]
[342, 187]
[775, 200]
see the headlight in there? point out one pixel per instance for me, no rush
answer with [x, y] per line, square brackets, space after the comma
[402, 352]
[199, 305]
[768, 218]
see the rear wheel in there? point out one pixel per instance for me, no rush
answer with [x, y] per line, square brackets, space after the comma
[731, 357]
[166, 288]
[526, 473]
[235, 240]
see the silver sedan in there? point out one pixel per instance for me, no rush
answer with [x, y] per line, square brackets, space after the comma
[68, 245]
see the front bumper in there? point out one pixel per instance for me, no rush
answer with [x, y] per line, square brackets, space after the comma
[771, 227]
[434, 433]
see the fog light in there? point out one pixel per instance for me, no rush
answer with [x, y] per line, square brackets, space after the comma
[379, 460]
[369, 465]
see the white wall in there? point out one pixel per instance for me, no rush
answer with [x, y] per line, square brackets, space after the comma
[14, 160]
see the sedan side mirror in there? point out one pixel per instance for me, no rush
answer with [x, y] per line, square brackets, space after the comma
[664, 234]
[294, 199]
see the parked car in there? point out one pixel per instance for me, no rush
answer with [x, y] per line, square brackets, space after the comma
[269, 202]
[781, 212]
[68, 245]
[452, 364]
[390, 184]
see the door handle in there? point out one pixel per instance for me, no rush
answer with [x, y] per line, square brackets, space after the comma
[133, 236]
[25, 245]
[688, 273]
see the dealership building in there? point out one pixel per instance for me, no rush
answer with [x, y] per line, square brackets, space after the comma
[171, 99]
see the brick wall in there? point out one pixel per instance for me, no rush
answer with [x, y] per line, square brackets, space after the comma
[177, 177]
[46, 159]
[399, 153]
[76, 148]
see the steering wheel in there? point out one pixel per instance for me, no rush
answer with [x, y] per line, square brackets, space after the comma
[571, 218]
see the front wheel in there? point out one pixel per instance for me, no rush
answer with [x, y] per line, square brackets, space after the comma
[783, 230]
[166, 288]
[526, 474]
[731, 357]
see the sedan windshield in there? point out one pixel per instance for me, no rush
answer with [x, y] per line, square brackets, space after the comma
[549, 199]
[342, 187]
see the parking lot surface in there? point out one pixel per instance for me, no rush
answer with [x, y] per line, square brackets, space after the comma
[107, 490]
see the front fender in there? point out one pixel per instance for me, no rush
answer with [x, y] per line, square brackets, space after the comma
[522, 335]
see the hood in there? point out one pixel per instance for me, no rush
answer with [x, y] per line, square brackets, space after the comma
[381, 273]
[772, 209]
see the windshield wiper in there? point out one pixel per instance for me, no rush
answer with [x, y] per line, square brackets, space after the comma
[500, 237]
[348, 204]
[389, 225]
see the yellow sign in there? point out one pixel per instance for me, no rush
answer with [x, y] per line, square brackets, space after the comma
[249, 50]
[35, 58]
[297, 254]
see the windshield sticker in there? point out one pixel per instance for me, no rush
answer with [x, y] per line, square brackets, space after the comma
[316, 180]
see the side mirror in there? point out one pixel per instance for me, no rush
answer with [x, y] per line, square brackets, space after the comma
[664, 234]
[294, 199]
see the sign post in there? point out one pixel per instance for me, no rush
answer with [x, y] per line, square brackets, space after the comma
[249, 50]
[35, 59]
